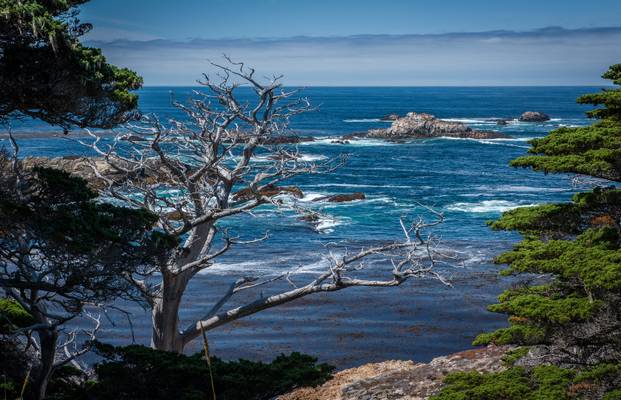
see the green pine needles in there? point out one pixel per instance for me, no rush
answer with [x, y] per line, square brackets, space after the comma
[569, 307]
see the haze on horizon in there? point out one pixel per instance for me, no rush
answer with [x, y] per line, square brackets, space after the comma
[364, 42]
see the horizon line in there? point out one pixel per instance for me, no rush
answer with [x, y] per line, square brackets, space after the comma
[546, 30]
[604, 85]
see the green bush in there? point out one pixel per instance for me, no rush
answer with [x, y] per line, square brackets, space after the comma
[137, 372]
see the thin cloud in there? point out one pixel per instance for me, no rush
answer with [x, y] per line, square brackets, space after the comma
[548, 56]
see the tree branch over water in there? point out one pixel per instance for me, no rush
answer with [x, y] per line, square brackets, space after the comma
[227, 157]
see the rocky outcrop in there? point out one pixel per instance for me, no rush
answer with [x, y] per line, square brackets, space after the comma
[534, 116]
[78, 166]
[419, 126]
[390, 117]
[269, 191]
[342, 198]
[401, 380]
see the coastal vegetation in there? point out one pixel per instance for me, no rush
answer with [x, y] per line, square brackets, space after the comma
[47, 74]
[569, 321]
[60, 252]
[165, 200]
[71, 249]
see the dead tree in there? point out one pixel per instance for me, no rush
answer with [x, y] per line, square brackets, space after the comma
[197, 172]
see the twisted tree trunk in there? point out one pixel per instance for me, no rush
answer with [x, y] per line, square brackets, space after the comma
[48, 339]
[165, 313]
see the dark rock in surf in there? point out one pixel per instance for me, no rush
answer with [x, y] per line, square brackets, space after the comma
[269, 191]
[342, 198]
[534, 116]
[390, 117]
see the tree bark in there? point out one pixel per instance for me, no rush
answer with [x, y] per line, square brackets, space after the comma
[47, 339]
[165, 313]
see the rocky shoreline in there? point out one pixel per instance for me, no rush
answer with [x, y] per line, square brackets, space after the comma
[402, 380]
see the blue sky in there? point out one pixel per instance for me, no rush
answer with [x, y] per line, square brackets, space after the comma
[364, 42]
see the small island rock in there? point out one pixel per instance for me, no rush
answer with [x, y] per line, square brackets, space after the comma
[534, 116]
[422, 125]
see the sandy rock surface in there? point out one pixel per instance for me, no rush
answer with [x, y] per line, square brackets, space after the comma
[401, 380]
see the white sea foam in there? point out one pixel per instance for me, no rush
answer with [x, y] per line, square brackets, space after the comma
[474, 120]
[355, 185]
[326, 223]
[521, 189]
[487, 206]
[498, 141]
[310, 196]
[350, 142]
[311, 157]
[365, 120]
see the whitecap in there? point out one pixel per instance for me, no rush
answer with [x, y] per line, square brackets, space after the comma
[521, 189]
[332, 141]
[326, 224]
[356, 185]
[310, 196]
[497, 141]
[311, 157]
[261, 267]
[474, 120]
[487, 206]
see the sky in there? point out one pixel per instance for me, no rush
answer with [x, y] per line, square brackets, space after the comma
[364, 42]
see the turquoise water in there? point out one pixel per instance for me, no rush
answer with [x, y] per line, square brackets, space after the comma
[468, 180]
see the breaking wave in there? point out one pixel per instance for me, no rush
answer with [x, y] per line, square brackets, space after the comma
[487, 206]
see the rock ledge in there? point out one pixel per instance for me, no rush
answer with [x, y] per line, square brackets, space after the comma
[401, 380]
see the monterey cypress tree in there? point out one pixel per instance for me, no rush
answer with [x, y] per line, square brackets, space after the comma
[577, 244]
[568, 311]
[47, 74]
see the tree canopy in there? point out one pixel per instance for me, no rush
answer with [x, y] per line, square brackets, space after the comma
[47, 74]
[578, 244]
[568, 308]
[60, 252]
[594, 150]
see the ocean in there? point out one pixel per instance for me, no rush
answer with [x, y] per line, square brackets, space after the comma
[470, 181]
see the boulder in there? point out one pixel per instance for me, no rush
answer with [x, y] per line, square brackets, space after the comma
[534, 116]
[422, 125]
[342, 198]
[390, 117]
[269, 191]
[154, 171]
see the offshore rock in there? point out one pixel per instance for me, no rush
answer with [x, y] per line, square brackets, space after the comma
[420, 126]
[390, 117]
[534, 116]
[402, 380]
[269, 191]
[342, 198]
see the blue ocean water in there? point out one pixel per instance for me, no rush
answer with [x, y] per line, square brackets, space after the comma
[468, 180]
